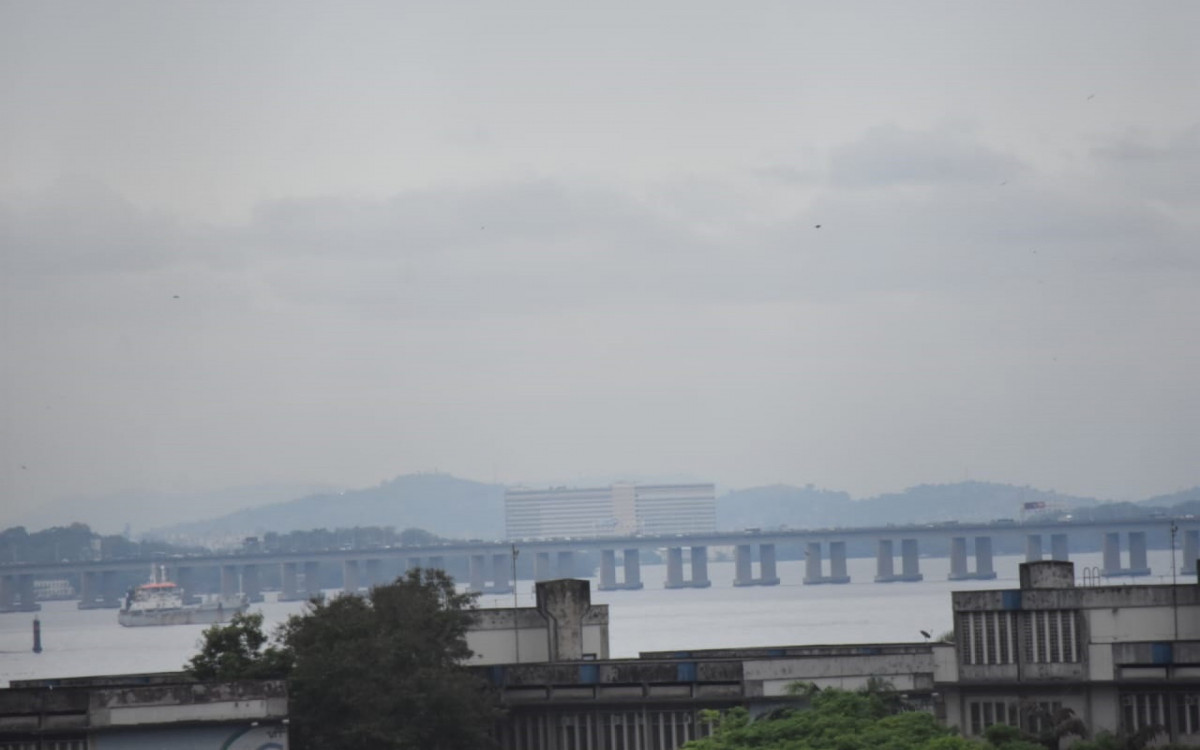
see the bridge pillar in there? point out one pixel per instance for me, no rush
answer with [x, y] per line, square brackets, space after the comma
[251, 585]
[28, 602]
[1111, 554]
[89, 589]
[110, 589]
[885, 570]
[1033, 547]
[565, 567]
[958, 558]
[983, 558]
[8, 593]
[837, 563]
[744, 566]
[289, 590]
[1191, 548]
[312, 579]
[541, 566]
[633, 569]
[700, 568]
[229, 580]
[374, 570]
[812, 563]
[1137, 551]
[910, 560]
[186, 580]
[475, 573]
[674, 567]
[350, 576]
[608, 570]
[436, 562]
[1058, 547]
[502, 565]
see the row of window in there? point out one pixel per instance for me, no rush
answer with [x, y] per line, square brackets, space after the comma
[610, 730]
[1033, 717]
[44, 745]
[1175, 713]
[1046, 636]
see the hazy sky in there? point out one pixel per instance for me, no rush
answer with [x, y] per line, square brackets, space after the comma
[245, 243]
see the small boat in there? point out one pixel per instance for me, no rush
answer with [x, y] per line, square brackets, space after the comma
[161, 602]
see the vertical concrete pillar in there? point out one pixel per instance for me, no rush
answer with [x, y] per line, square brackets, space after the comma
[608, 570]
[89, 589]
[251, 585]
[110, 588]
[566, 564]
[565, 604]
[885, 570]
[374, 571]
[674, 567]
[1058, 547]
[541, 566]
[288, 588]
[742, 566]
[502, 568]
[28, 603]
[186, 580]
[475, 573]
[229, 580]
[910, 560]
[1191, 548]
[812, 562]
[837, 563]
[633, 569]
[766, 561]
[8, 593]
[1137, 554]
[1112, 554]
[958, 558]
[312, 579]
[983, 558]
[700, 568]
[350, 576]
[1033, 547]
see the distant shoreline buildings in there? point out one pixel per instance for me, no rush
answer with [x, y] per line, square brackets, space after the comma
[616, 510]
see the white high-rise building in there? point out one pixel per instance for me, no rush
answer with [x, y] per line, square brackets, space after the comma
[616, 510]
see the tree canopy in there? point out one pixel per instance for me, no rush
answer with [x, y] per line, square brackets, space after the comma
[377, 672]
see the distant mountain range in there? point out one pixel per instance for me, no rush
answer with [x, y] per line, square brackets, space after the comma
[462, 508]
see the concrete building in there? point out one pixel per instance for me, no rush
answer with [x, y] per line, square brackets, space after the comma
[136, 712]
[563, 626]
[617, 510]
[1121, 657]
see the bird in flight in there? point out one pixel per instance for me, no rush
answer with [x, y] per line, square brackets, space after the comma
[817, 226]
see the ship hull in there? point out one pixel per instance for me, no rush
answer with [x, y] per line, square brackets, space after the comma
[205, 615]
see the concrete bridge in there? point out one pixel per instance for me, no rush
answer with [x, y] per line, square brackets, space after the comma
[489, 565]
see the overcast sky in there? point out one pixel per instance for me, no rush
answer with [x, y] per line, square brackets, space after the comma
[245, 243]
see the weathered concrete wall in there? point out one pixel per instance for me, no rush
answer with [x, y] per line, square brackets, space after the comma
[1047, 574]
[194, 738]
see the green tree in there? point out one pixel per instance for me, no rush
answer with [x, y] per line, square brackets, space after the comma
[380, 672]
[238, 651]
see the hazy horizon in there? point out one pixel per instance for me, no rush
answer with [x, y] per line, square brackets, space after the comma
[863, 246]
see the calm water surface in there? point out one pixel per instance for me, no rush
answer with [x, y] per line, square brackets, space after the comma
[90, 642]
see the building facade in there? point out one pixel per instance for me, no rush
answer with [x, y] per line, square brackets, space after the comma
[616, 510]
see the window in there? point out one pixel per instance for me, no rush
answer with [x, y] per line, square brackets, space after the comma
[1050, 637]
[988, 637]
[985, 713]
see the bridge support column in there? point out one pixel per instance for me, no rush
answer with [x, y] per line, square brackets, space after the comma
[541, 566]
[477, 578]
[958, 558]
[608, 570]
[229, 580]
[436, 562]
[89, 589]
[812, 563]
[837, 563]
[910, 560]
[110, 589]
[813, 573]
[1059, 548]
[1137, 555]
[1191, 548]
[186, 580]
[700, 568]
[289, 590]
[251, 585]
[350, 576]
[8, 593]
[1033, 547]
[502, 566]
[744, 566]
[565, 567]
[374, 570]
[633, 569]
[983, 559]
[312, 579]
[1111, 554]
[674, 567]
[24, 599]
[885, 570]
